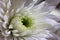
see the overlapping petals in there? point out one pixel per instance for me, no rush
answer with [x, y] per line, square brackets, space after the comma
[22, 20]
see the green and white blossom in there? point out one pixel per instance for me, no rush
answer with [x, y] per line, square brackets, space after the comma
[21, 22]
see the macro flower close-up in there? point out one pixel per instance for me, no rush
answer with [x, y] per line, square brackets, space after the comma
[27, 20]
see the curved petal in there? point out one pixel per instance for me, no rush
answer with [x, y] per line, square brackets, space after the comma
[51, 16]
[43, 35]
[42, 8]
[56, 12]
[53, 2]
[17, 3]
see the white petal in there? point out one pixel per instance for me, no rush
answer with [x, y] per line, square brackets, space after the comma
[51, 21]
[6, 33]
[53, 2]
[1, 15]
[55, 36]
[42, 8]
[6, 18]
[38, 36]
[53, 17]
[4, 25]
[17, 3]
[2, 4]
[56, 12]
[31, 4]
[15, 31]
[19, 8]
[8, 4]
[16, 35]
[10, 26]
[0, 21]
[1, 10]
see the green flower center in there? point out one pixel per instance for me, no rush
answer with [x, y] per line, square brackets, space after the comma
[22, 23]
[27, 22]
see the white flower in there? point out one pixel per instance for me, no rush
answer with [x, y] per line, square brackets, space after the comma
[21, 22]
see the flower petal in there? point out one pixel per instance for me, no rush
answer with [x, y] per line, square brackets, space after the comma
[56, 12]
[17, 3]
[53, 2]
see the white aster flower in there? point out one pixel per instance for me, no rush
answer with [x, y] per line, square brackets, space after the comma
[21, 22]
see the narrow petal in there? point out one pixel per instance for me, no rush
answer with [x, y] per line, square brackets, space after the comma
[17, 3]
